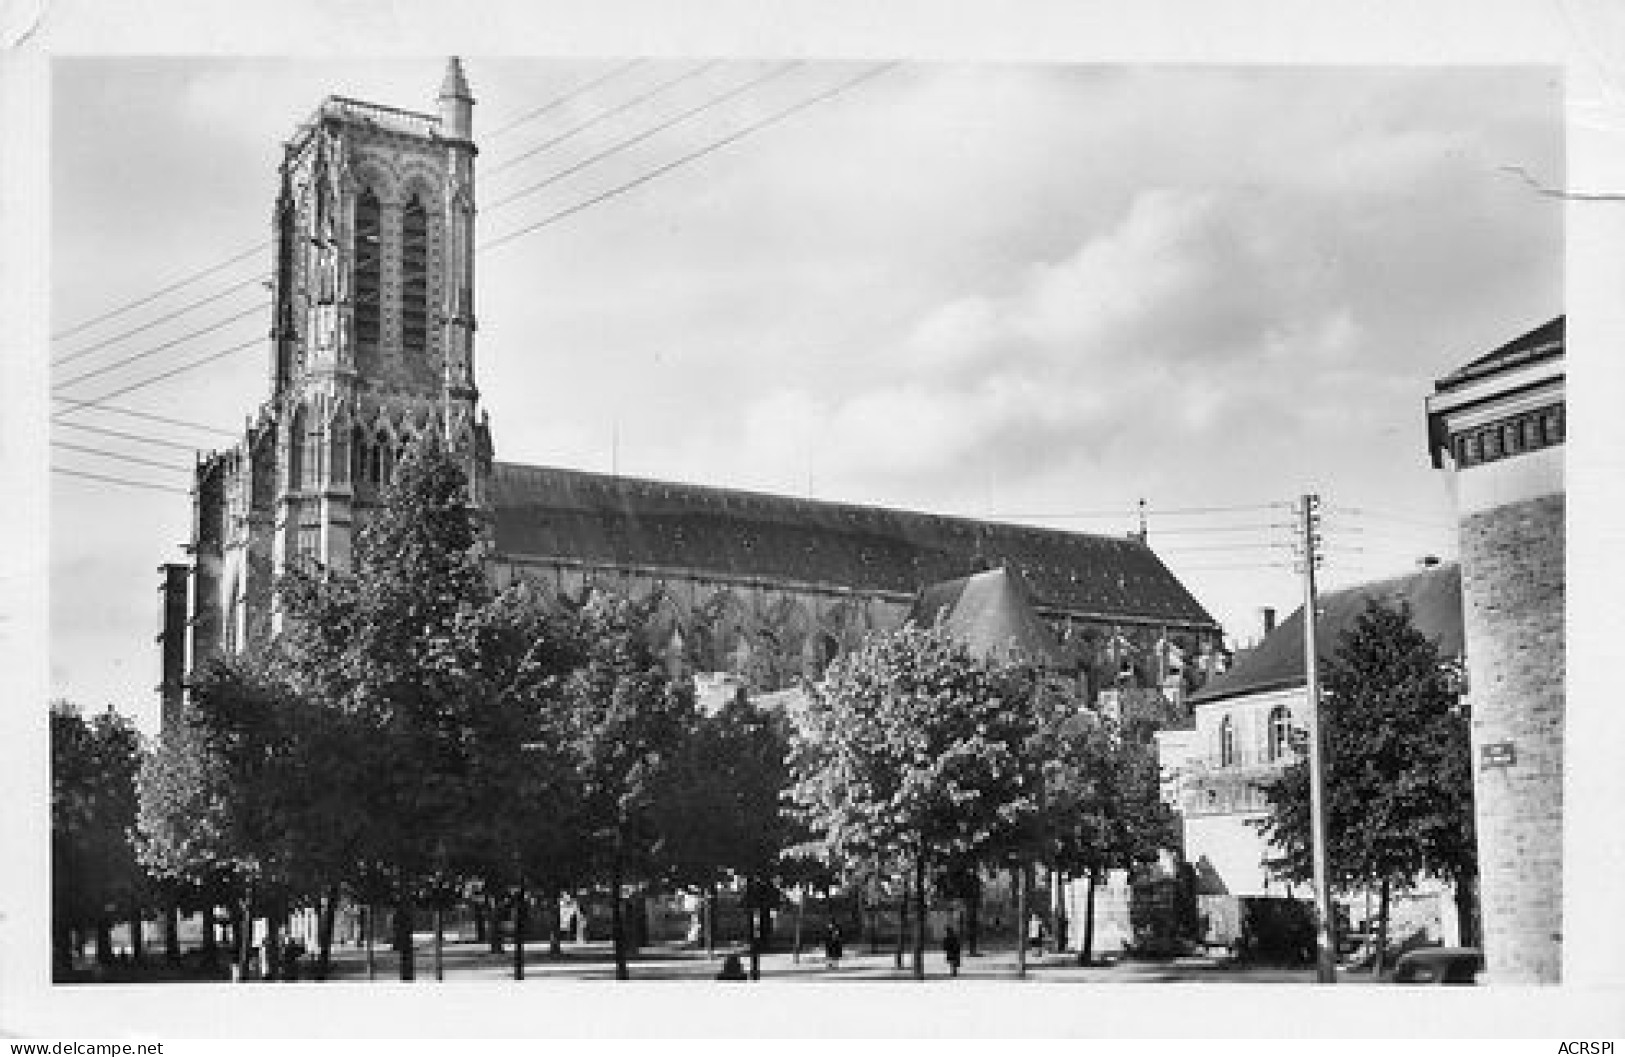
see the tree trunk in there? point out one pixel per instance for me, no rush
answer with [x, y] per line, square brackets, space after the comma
[554, 940]
[518, 930]
[138, 953]
[1382, 929]
[1020, 871]
[710, 919]
[245, 934]
[172, 931]
[919, 915]
[439, 940]
[1086, 949]
[1466, 911]
[493, 922]
[324, 932]
[753, 939]
[801, 907]
[1057, 886]
[369, 921]
[211, 953]
[902, 924]
[275, 915]
[103, 942]
[403, 931]
[617, 923]
[479, 908]
[973, 912]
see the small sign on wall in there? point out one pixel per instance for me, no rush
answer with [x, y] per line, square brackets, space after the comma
[1498, 754]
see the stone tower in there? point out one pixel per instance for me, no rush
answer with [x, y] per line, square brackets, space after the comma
[1498, 426]
[372, 346]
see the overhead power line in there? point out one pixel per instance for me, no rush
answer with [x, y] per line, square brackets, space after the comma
[121, 335]
[121, 435]
[130, 412]
[156, 294]
[87, 449]
[1386, 515]
[105, 368]
[601, 117]
[554, 104]
[635, 139]
[154, 379]
[106, 479]
[692, 156]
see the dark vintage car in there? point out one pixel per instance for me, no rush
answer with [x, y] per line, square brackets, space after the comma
[1439, 965]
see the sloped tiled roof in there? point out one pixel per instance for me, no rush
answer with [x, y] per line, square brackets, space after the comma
[1434, 596]
[1543, 342]
[553, 514]
[990, 614]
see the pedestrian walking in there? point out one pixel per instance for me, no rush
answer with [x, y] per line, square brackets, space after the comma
[950, 950]
[832, 946]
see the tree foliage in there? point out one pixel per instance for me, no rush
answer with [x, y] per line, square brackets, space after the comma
[93, 809]
[912, 751]
[1397, 778]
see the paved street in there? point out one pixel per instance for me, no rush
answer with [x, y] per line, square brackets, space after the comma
[591, 961]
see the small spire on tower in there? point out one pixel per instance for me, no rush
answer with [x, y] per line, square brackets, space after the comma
[456, 102]
[455, 86]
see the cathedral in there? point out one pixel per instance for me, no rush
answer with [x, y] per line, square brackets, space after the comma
[372, 345]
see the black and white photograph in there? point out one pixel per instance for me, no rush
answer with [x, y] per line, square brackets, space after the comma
[815, 525]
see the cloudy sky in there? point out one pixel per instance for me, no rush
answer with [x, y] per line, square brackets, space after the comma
[1037, 293]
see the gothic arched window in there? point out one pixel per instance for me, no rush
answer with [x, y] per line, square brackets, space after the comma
[358, 456]
[1280, 731]
[1227, 742]
[415, 277]
[298, 455]
[369, 231]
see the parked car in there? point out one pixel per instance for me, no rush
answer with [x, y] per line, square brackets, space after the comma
[1439, 965]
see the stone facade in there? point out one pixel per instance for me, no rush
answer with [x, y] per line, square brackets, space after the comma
[1498, 425]
[371, 347]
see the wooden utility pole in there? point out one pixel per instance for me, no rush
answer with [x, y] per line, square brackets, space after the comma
[1327, 953]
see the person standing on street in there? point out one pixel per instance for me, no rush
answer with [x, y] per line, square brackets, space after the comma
[950, 950]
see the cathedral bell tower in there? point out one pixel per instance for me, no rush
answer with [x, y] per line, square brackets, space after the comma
[373, 328]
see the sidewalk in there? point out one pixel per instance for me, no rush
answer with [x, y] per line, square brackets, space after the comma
[594, 961]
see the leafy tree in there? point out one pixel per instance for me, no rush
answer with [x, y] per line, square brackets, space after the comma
[911, 751]
[239, 800]
[381, 645]
[626, 718]
[1398, 785]
[722, 816]
[94, 874]
[526, 823]
[1103, 808]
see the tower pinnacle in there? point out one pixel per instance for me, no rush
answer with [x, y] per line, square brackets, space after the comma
[456, 102]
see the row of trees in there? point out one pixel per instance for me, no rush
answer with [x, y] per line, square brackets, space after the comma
[413, 737]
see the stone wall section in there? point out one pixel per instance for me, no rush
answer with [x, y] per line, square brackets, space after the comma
[1513, 590]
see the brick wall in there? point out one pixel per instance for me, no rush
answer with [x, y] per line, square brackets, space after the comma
[1512, 585]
